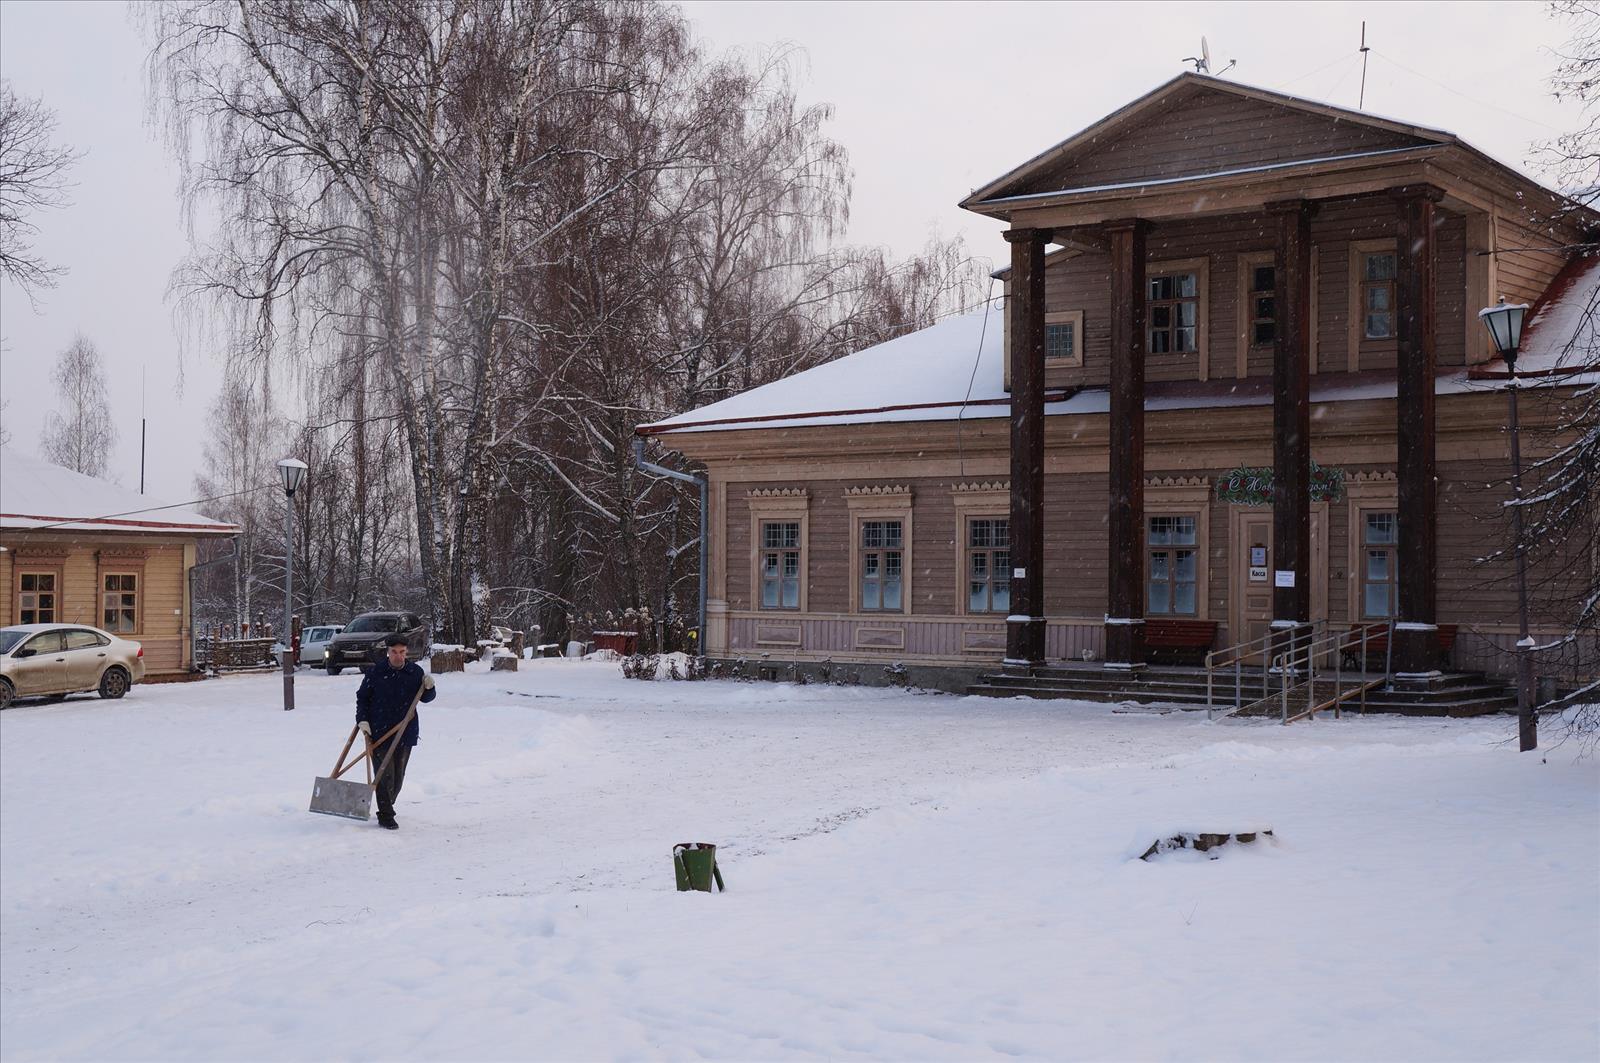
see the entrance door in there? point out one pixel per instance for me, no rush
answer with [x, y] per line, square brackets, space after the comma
[1250, 574]
[1252, 577]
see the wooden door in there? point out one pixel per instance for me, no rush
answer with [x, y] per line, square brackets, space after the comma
[1251, 608]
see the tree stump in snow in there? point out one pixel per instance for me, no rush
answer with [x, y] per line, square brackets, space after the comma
[447, 661]
[1200, 842]
[498, 663]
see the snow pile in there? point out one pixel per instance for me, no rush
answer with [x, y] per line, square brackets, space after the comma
[911, 876]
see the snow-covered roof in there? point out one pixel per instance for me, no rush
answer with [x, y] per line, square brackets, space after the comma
[35, 494]
[1561, 332]
[955, 369]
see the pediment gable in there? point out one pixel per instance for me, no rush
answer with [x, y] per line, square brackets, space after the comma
[1195, 126]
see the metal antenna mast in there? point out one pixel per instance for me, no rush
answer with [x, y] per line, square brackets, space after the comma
[1362, 104]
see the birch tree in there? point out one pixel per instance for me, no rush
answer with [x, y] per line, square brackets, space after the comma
[33, 178]
[79, 434]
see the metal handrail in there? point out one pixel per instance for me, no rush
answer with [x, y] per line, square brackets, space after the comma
[1301, 660]
[1239, 651]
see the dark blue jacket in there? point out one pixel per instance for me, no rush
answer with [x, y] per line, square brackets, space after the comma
[386, 694]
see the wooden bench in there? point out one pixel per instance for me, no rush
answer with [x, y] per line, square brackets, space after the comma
[1179, 639]
[1378, 645]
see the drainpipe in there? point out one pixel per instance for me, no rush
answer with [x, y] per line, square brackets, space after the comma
[699, 481]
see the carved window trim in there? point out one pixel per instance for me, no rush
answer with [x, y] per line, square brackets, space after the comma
[975, 499]
[775, 505]
[1181, 496]
[886, 502]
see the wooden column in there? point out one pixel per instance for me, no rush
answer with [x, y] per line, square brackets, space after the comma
[1125, 591]
[1025, 307]
[1291, 415]
[1415, 642]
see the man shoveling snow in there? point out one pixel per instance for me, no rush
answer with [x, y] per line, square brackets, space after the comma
[382, 702]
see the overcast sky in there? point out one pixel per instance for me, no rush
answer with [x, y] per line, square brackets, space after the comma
[931, 100]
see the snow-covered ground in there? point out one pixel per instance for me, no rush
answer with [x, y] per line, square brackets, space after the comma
[911, 876]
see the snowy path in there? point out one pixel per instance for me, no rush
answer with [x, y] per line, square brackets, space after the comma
[914, 876]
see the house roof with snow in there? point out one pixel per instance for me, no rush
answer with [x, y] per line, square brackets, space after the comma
[36, 495]
[955, 370]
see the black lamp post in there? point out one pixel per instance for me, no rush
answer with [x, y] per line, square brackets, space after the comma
[293, 473]
[1505, 328]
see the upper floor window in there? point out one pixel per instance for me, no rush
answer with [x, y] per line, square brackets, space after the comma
[1377, 295]
[1173, 580]
[1063, 337]
[36, 598]
[1379, 545]
[1263, 314]
[780, 564]
[882, 569]
[1174, 313]
[989, 565]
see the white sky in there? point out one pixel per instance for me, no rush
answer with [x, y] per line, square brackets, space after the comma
[931, 100]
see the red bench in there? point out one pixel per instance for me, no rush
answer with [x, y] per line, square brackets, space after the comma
[1378, 644]
[1175, 638]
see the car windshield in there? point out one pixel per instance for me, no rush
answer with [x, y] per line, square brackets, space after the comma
[9, 637]
[376, 624]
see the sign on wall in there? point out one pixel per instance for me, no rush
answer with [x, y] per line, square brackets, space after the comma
[1253, 486]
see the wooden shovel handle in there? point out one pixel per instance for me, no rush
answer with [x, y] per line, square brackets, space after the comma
[339, 766]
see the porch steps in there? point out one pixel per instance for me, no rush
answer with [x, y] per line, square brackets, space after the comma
[1456, 694]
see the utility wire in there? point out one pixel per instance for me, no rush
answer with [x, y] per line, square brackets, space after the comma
[1456, 92]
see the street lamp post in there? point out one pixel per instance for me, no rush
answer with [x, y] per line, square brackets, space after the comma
[293, 473]
[1504, 322]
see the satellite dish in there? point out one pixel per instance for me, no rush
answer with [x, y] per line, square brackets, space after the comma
[1205, 57]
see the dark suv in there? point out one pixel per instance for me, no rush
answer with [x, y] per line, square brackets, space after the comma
[360, 644]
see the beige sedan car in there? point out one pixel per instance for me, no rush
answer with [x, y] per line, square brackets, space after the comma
[45, 660]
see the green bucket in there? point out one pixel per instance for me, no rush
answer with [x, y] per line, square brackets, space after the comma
[695, 866]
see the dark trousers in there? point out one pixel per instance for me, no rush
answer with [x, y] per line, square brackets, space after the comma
[393, 777]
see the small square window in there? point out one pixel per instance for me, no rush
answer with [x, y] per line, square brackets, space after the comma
[1060, 341]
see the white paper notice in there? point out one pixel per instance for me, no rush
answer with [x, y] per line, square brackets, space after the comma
[1283, 577]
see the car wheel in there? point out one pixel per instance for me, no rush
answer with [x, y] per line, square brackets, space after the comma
[8, 693]
[334, 669]
[114, 683]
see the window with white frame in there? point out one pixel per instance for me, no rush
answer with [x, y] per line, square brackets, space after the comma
[1172, 571]
[1380, 539]
[780, 564]
[882, 556]
[989, 565]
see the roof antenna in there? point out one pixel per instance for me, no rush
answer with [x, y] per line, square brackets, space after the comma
[1361, 105]
[1202, 62]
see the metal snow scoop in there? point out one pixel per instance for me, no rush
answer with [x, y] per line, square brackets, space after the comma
[333, 796]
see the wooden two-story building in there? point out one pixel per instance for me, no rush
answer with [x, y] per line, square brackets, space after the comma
[1237, 382]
